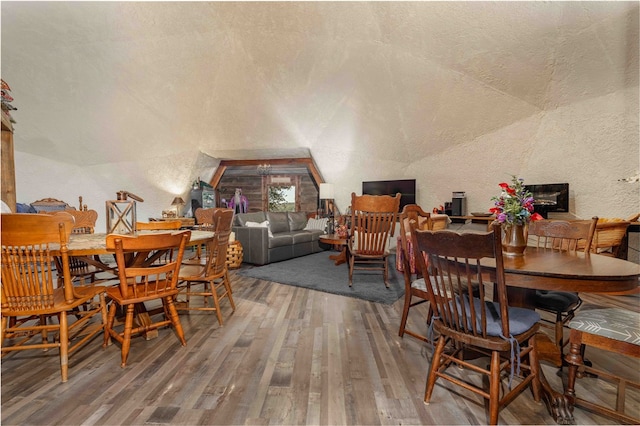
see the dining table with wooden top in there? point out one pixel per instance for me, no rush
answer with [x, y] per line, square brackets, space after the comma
[547, 269]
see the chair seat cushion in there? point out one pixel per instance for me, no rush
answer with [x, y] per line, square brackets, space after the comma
[556, 301]
[614, 323]
[419, 284]
[520, 319]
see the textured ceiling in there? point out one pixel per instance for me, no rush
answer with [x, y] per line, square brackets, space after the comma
[102, 82]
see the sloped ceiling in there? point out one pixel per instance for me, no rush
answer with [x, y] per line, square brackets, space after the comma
[102, 82]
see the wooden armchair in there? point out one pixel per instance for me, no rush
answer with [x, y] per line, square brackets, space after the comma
[213, 274]
[143, 280]
[571, 236]
[29, 242]
[373, 219]
[506, 334]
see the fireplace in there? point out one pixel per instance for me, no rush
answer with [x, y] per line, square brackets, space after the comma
[550, 197]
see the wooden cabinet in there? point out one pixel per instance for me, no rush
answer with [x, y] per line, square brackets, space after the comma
[8, 164]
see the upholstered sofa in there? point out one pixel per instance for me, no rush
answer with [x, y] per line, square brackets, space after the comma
[268, 237]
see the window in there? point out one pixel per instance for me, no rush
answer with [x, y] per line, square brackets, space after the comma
[281, 198]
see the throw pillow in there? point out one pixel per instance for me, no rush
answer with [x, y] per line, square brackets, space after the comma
[314, 224]
[264, 224]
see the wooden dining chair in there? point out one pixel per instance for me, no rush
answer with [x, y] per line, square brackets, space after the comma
[143, 280]
[158, 225]
[213, 275]
[467, 322]
[29, 293]
[84, 223]
[204, 216]
[611, 329]
[373, 219]
[572, 236]
[415, 292]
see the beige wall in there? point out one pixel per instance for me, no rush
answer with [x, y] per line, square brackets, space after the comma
[146, 97]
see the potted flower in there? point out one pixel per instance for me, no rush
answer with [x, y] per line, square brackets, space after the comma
[514, 210]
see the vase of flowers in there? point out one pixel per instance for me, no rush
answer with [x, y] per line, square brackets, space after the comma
[514, 210]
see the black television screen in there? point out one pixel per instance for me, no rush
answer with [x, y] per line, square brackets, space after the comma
[406, 187]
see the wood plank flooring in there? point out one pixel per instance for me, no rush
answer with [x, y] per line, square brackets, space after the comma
[286, 356]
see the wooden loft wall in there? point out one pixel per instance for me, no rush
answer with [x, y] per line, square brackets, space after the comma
[8, 164]
[300, 172]
[307, 162]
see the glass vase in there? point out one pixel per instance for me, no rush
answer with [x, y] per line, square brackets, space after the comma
[514, 240]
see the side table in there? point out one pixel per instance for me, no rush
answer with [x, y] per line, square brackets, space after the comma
[339, 243]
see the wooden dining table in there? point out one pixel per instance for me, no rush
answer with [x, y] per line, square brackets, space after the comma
[544, 269]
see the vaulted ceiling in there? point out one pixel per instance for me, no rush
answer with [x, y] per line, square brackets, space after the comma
[103, 82]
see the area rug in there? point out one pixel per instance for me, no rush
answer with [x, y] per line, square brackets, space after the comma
[318, 272]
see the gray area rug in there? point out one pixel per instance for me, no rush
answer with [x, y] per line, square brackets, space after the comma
[318, 272]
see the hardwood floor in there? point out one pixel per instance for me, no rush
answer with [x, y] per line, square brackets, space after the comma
[286, 356]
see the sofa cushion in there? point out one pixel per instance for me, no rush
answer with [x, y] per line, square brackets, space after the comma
[280, 240]
[242, 218]
[278, 222]
[297, 220]
[301, 237]
[316, 224]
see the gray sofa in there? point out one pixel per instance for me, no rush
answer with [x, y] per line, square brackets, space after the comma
[288, 237]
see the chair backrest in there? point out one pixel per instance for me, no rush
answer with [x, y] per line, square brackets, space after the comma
[27, 263]
[455, 275]
[411, 212]
[136, 258]
[204, 216]
[609, 236]
[217, 259]
[373, 219]
[575, 235]
[158, 225]
[85, 220]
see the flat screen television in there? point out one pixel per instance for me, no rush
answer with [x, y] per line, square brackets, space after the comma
[550, 197]
[406, 187]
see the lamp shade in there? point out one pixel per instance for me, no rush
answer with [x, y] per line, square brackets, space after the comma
[178, 201]
[326, 191]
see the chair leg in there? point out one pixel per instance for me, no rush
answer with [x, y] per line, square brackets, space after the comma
[3, 331]
[534, 365]
[109, 325]
[227, 286]
[559, 330]
[435, 365]
[405, 312]
[175, 319]
[494, 388]
[126, 337]
[216, 303]
[64, 346]
[386, 273]
[351, 262]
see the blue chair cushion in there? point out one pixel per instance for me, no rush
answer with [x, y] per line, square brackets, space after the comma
[614, 323]
[520, 319]
[556, 301]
